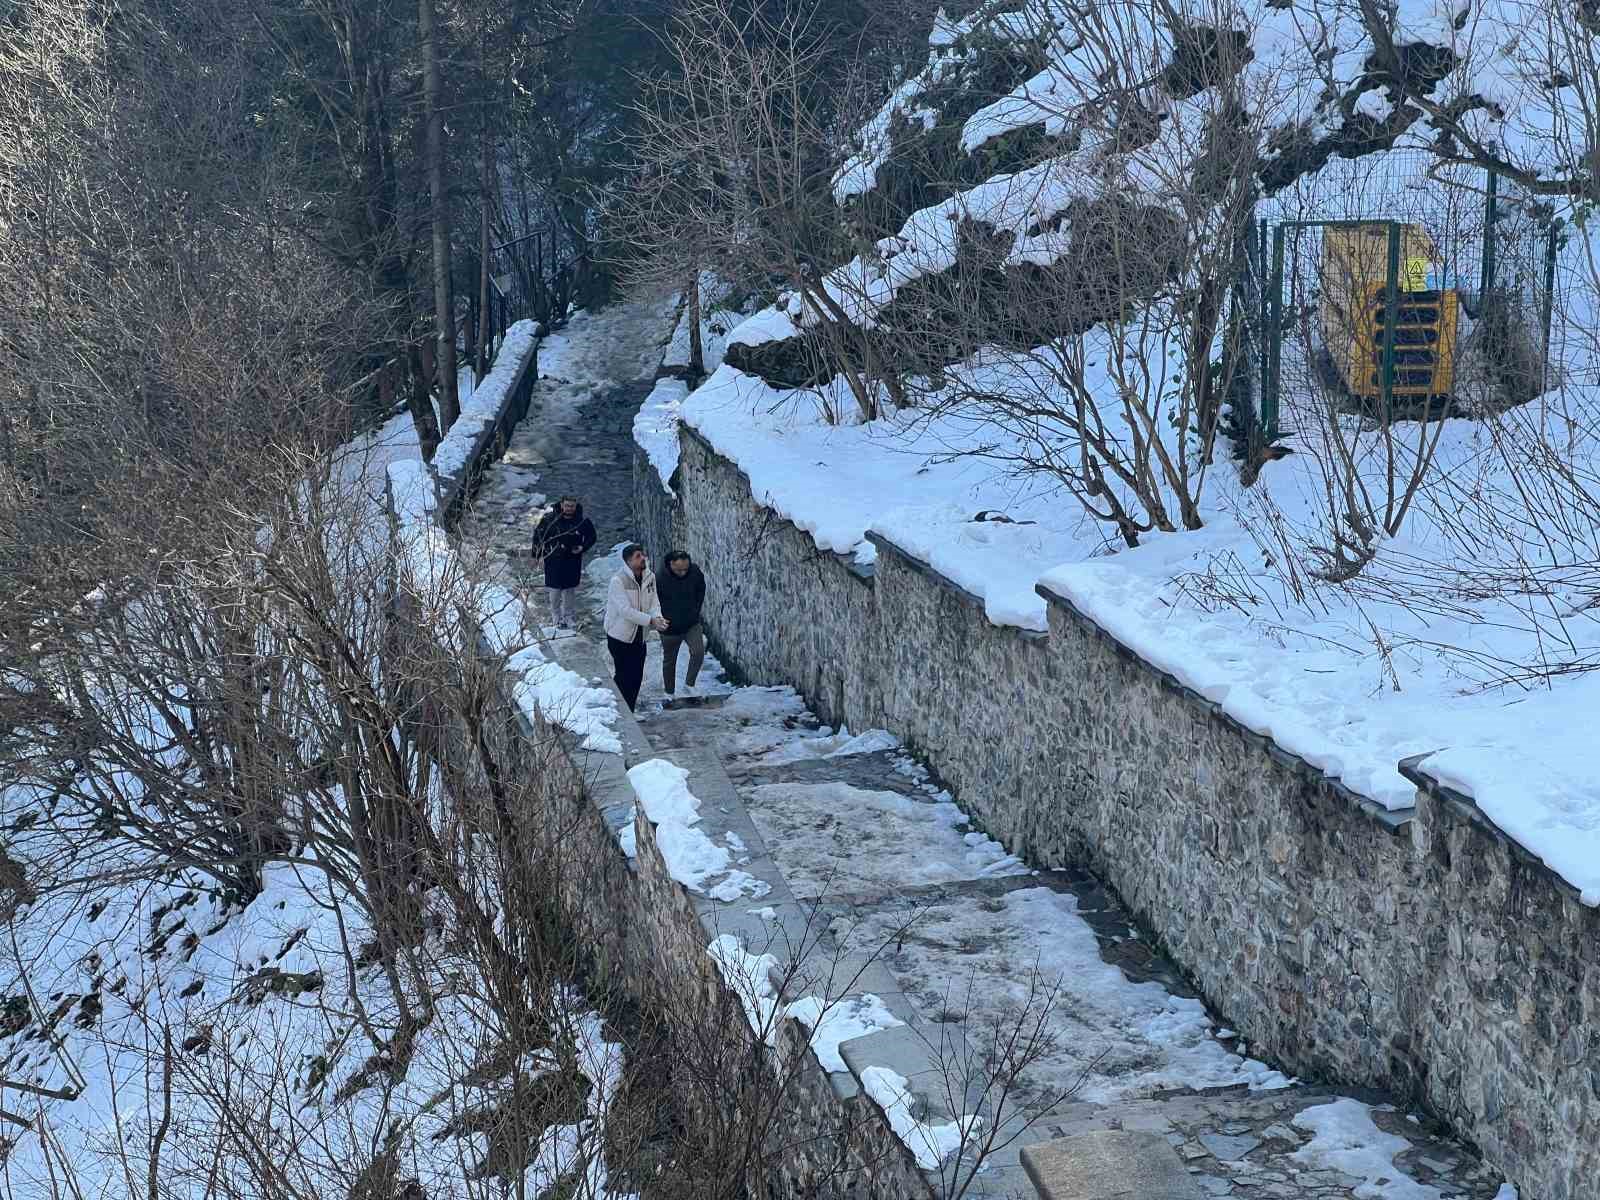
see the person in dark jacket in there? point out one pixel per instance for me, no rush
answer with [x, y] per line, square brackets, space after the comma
[563, 537]
[682, 588]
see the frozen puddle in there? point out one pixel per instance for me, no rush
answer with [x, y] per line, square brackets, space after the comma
[1027, 960]
[835, 839]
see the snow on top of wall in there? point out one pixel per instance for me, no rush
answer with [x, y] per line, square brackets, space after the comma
[692, 857]
[834, 481]
[655, 427]
[482, 409]
[833, 1024]
[566, 699]
[930, 1143]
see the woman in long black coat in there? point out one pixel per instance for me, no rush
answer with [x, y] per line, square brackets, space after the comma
[563, 537]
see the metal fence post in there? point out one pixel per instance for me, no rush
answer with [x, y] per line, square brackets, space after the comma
[1490, 212]
[1269, 397]
[1391, 313]
[1547, 307]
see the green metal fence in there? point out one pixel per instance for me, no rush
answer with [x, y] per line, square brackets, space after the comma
[1516, 245]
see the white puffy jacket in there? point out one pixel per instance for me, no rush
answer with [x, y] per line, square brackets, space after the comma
[631, 604]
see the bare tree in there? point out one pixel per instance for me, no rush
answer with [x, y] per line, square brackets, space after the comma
[444, 305]
[735, 156]
[1068, 310]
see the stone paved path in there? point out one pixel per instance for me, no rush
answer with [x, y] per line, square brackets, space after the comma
[577, 440]
[874, 894]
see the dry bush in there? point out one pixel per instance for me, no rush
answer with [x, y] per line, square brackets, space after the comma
[1070, 310]
[736, 149]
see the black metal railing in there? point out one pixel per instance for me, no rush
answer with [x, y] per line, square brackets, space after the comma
[531, 277]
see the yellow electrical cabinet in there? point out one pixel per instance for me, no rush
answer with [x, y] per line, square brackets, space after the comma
[1355, 271]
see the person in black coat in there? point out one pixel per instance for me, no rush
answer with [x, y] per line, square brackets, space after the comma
[563, 537]
[682, 589]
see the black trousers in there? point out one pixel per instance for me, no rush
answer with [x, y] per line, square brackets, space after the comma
[628, 659]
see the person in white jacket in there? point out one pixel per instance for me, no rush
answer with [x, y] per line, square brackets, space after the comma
[632, 606]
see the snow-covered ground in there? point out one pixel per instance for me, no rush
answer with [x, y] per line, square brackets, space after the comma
[839, 839]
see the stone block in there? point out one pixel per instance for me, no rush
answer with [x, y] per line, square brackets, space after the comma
[1109, 1165]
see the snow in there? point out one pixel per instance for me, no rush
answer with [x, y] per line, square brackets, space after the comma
[860, 172]
[261, 995]
[691, 857]
[837, 481]
[655, 428]
[769, 325]
[1311, 679]
[597, 351]
[565, 698]
[172, 956]
[832, 745]
[481, 410]
[832, 1023]
[750, 978]
[568, 1149]
[415, 491]
[1346, 1139]
[927, 243]
[930, 1144]
[717, 322]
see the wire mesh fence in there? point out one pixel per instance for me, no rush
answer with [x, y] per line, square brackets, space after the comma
[1408, 286]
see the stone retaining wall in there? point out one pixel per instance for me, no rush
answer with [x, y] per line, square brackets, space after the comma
[645, 941]
[1421, 952]
[656, 514]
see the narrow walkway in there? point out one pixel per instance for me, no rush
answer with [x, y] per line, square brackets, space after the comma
[941, 975]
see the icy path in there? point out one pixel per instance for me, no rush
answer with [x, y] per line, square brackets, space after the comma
[577, 439]
[848, 890]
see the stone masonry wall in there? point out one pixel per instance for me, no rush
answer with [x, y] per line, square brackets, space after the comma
[646, 941]
[1420, 952]
[657, 517]
[776, 606]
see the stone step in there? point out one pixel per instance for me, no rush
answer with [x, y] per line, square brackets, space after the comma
[1108, 1165]
[1238, 1143]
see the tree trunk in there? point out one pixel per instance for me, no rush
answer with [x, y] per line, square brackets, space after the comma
[486, 189]
[421, 404]
[443, 297]
[697, 357]
[485, 175]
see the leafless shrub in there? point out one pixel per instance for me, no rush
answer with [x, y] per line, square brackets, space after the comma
[1069, 310]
